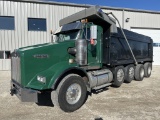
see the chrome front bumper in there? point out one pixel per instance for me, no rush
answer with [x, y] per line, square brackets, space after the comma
[24, 94]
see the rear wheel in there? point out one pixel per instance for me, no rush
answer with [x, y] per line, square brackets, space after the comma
[118, 76]
[71, 93]
[129, 73]
[139, 72]
[147, 69]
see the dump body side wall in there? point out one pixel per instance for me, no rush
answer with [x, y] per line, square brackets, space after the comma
[116, 50]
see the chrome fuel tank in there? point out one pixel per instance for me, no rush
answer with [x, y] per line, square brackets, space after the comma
[100, 77]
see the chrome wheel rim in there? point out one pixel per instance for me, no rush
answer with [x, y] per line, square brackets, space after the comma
[73, 93]
[120, 75]
[131, 72]
[149, 70]
[142, 73]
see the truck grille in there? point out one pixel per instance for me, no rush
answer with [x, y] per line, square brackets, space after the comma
[15, 68]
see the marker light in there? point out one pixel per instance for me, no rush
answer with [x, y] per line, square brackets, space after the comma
[71, 61]
[84, 21]
[92, 42]
[41, 79]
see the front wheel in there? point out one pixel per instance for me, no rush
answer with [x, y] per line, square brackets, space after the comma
[71, 93]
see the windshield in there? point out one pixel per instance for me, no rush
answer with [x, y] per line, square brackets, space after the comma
[69, 35]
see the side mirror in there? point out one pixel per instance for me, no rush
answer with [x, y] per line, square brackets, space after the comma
[93, 31]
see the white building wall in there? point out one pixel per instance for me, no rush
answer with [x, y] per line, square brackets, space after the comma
[53, 12]
[20, 37]
[142, 20]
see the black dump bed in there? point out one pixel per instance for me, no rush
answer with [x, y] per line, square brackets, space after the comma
[116, 50]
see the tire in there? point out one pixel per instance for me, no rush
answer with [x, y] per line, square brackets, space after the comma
[129, 73]
[71, 93]
[147, 69]
[139, 72]
[119, 75]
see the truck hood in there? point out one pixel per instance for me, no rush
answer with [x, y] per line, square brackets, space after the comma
[38, 58]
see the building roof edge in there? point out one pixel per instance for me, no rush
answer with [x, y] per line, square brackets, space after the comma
[86, 5]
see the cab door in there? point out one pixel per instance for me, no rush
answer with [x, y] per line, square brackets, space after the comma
[94, 51]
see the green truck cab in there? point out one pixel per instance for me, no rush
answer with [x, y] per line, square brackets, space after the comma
[80, 59]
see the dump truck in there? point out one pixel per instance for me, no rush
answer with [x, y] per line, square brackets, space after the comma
[88, 53]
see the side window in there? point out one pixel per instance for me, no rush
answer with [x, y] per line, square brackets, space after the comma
[5, 54]
[84, 34]
[156, 44]
[37, 24]
[1, 54]
[7, 23]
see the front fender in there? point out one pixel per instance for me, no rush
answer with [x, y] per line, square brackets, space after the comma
[51, 75]
[70, 69]
[59, 71]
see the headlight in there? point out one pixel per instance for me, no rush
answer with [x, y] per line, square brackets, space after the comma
[41, 79]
